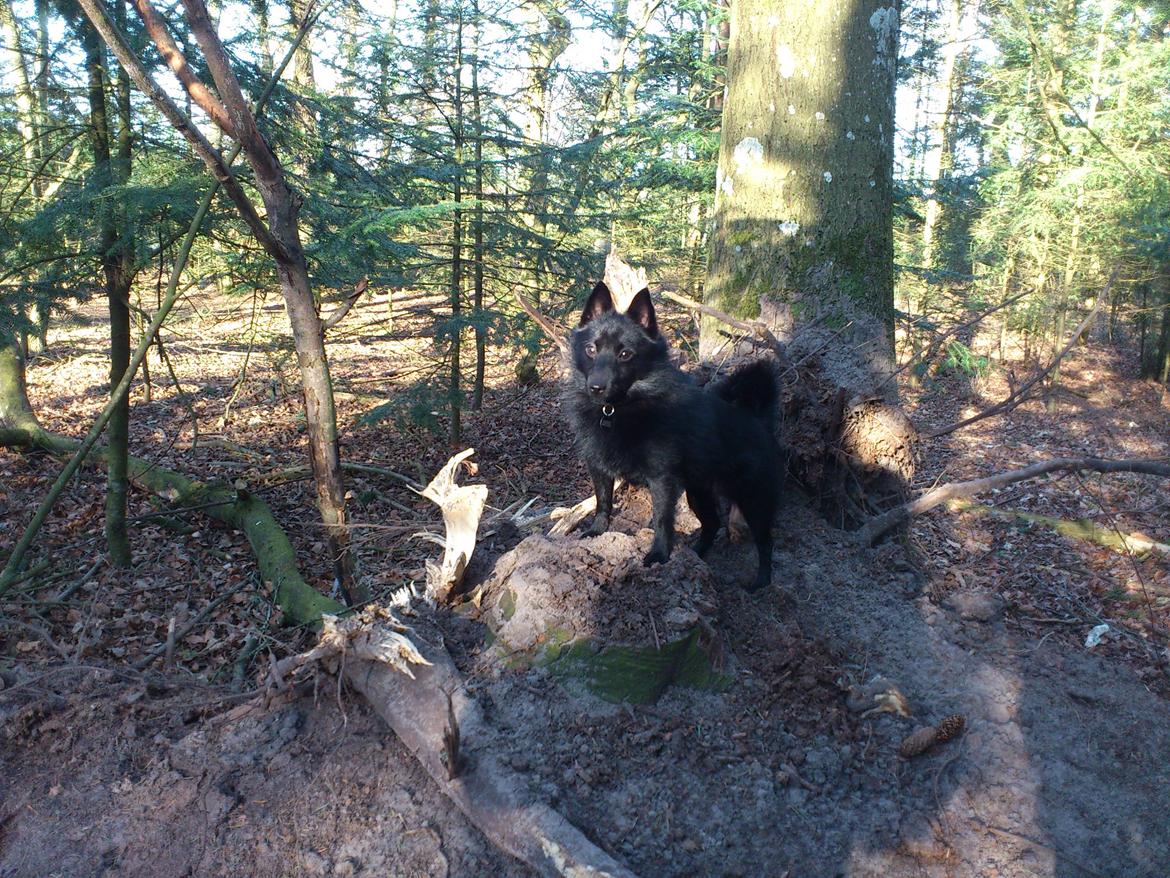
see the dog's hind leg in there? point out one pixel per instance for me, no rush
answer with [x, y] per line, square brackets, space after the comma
[665, 493]
[705, 505]
[603, 490]
[759, 514]
[763, 537]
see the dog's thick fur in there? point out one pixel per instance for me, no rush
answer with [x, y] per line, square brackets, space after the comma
[635, 415]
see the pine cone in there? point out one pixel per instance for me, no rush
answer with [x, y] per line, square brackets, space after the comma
[918, 742]
[950, 727]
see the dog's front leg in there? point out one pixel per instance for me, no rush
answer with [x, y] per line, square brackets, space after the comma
[665, 493]
[603, 491]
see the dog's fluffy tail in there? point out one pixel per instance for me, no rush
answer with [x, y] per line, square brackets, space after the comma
[752, 387]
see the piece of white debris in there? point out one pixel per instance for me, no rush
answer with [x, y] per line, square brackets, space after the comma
[1096, 635]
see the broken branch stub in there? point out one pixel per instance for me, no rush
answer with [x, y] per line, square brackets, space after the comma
[623, 280]
[462, 506]
[373, 635]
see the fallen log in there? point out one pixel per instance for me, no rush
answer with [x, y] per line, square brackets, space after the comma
[881, 525]
[1074, 529]
[493, 797]
[238, 509]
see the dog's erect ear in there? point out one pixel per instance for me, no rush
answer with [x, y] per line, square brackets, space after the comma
[600, 301]
[641, 311]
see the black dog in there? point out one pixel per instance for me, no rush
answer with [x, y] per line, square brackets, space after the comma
[635, 415]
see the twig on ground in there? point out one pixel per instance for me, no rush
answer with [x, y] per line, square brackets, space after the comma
[170, 643]
[69, 590]
[40, 632]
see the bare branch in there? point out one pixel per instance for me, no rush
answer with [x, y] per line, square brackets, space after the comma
[937, 342]
[260, 156]
[756, 327]
[1019, 395]
[557, 335]
[174, 58]
[341, 310]
[878, 527]
[114, 38]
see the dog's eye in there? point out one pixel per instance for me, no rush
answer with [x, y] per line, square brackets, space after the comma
[591, 350]
[626, 354]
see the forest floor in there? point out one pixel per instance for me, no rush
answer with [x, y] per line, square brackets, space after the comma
[981, 611]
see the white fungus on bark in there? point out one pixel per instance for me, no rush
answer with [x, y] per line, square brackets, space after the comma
[884, 22]
[785, 61]
[748, 154]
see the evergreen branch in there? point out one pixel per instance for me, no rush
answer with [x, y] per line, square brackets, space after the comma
[116, 40]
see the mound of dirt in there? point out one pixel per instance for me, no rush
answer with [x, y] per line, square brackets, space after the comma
[597, 589]
[593, 612]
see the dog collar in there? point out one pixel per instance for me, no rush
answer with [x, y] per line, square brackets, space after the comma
[607, 416]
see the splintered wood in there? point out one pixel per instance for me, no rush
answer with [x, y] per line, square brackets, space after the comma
[624, 281]
[462, 506]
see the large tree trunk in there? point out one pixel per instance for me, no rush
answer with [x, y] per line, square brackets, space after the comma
[15, 412]
[803, 237]
[803, 214]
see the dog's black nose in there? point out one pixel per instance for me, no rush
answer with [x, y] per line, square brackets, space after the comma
[597, 389]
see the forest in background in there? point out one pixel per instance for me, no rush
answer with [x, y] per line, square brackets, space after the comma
[473, 150]
[479, 162]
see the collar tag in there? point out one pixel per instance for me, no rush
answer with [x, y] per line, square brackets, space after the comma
[606, 416]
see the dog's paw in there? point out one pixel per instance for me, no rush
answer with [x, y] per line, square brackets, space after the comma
[655, 556]
[762, 581]
[597, 527]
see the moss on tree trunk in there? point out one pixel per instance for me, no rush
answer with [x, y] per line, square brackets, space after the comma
[803, 213]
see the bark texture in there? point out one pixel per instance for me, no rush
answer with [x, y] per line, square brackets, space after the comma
[803, 214]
